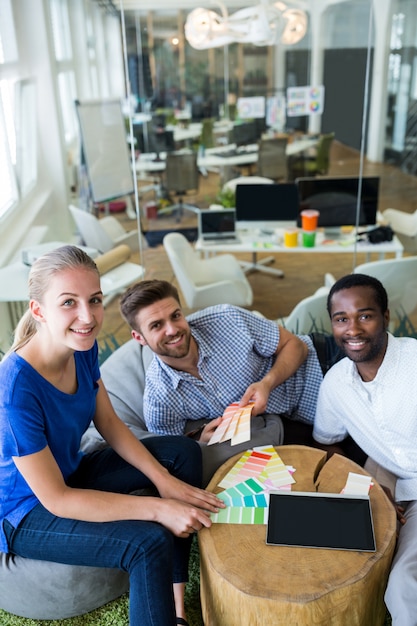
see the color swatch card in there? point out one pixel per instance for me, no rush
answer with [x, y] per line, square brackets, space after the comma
[249, 493]
[262, 463]
[241, 515]
[247, 503]
[247, 486]
[357, 484]
[234, 425]
[250, 464]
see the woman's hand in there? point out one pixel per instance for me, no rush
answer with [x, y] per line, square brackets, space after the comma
[173, 488]
[180, 518]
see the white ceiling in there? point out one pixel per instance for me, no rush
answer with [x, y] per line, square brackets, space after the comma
[174, 5]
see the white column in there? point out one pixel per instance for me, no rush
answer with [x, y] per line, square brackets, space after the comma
[382, 10]
[317, 58]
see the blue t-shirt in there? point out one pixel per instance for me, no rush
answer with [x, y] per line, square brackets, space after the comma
[235, 349]
[35, 414]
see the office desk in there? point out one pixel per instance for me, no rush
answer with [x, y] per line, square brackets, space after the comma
[146, 163]
[273, 244]
[212, 156]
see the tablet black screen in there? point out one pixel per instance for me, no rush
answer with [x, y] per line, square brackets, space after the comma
[320, 521]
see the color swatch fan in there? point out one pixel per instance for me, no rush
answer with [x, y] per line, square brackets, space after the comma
[234, 425]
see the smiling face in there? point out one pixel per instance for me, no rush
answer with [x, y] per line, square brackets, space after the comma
[71, 312]
[360, 327]
[163, 327]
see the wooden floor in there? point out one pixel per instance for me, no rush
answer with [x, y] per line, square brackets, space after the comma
[273, 296]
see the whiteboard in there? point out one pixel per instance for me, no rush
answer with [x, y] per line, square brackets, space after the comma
[105, 148]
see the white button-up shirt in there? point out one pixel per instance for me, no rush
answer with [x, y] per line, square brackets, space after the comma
[381, 415]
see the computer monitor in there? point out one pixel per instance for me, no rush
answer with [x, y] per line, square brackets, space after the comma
[337, 200]
[266, 206]
[245, 133]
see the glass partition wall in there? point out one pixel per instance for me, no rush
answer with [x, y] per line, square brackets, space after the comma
[361, 52]
[170, 77]
[334, 52]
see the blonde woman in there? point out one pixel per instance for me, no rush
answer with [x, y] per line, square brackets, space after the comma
[57, 504]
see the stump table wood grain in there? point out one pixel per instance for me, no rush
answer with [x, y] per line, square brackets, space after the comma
[244, 582]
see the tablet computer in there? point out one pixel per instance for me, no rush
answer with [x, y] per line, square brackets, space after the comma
[320, 520]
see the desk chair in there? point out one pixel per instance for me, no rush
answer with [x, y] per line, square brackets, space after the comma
[181, 175]
[405, 227]
[207, 133]
[272, 158]
[231, 185]
[205, 282]
[309, 315]
[399, 277]
[401, 222]
[305, 165]
[103, 234]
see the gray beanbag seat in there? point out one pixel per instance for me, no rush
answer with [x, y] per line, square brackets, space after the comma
[44, 590]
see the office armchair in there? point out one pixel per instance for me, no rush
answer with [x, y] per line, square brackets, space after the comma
[181, 175]
[405, 227]
[103, 234]
[306, 165]
[205, 282]
[231, 185]
[207, 134]
[399, 277]
[402, 223]
[309, 315]
[272, 159]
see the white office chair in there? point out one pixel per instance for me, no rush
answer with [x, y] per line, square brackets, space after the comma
[246, 180]
[103, 234]
[401, 222]
[309, 315]
[404, 226]
[399, 277]
[205, 282]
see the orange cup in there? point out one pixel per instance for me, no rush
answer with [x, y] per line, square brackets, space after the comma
[309, 219]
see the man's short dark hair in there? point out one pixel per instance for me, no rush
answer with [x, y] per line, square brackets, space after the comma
[360, 280]
[143, 294]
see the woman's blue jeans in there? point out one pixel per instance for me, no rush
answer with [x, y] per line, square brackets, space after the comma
[153, 557]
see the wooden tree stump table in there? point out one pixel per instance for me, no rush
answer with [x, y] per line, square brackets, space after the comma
[244, 582]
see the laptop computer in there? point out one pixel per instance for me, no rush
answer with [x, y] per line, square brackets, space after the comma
[217, 226]
[320, 520]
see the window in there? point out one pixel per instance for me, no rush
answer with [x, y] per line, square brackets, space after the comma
[67, 95]
[61, 30]
[8, 188]
[8, 54]
[8, 47]
[26, 136]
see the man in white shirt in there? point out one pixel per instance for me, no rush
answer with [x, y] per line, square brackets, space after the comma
[372, 396]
